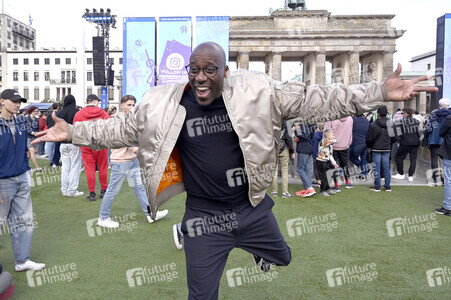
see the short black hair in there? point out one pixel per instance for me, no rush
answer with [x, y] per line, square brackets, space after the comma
[382, 111]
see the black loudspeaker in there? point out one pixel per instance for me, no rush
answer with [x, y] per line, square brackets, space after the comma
[98, 60]
[110, 76]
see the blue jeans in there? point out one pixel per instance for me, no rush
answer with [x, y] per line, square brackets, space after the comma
[119, 171]
[49, 150]
[304, 169]
[381, 160]
[447, 174]
[17, 208]
[355, 152]
[71, 168]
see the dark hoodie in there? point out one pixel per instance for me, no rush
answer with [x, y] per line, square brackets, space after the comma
[69, 109]
[377, 137]
[434, 124]
[91, 113]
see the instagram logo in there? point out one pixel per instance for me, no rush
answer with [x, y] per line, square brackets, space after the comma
[175, 61]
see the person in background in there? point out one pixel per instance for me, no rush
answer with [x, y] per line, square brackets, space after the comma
[90, 157]
[286, 151]
[379, 141]
[125, 164]
[357, 151]
[408, 136]
[445, 153]
[15, 184]
[42, 125]
[397, 117]
[304, 150]
[432, 135]
[112, 111]
[342, 129]
[53, 149]
[32, 129]
[317, 137]
[70, 154]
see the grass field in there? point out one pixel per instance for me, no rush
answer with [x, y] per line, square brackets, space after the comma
[349, 232]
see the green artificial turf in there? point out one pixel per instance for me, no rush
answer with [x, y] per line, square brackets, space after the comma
[359, 237]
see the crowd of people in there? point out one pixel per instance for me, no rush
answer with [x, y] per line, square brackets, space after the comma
[160, 133]
[371, 141]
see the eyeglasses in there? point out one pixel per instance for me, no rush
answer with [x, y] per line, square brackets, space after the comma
[209, 71]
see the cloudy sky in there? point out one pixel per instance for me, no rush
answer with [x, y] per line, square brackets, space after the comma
[59, 23]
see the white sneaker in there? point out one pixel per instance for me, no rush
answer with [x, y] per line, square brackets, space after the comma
[108, 223]
[29, 265]
[160, 214]
[64, 194]
[75, 194]
[398, 176]
[410, 178]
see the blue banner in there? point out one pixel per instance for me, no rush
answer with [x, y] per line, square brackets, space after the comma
[447, 58]
[138, 56]
[213, 29]
[103, 97]
[174, 49]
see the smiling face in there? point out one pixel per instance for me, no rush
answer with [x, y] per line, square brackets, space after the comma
[207, 89]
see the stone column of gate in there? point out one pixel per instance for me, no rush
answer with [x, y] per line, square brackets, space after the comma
[387, 70]
[320, 70]
[353, 68]
[243, 60]
[276, 66]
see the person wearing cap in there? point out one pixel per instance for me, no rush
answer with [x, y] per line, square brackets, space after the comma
[90, 157]
[15, 186]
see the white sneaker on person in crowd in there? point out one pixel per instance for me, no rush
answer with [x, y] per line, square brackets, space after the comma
[75, 194]
[108, 223]
[398, 176]
[160, 214]
[410, 178]
[178, 236]
[29, 265]
[64, 194]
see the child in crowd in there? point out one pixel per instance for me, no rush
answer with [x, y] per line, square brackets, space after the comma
[325, 161]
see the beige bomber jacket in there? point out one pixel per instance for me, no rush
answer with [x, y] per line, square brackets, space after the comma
[256, 105]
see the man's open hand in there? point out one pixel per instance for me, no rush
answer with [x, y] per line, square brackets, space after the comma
[401, 90]
[58, 133]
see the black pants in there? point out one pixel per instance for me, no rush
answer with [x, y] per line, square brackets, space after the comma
[342, 157]
[323, 167]
[402, 154]
[208, 241]
[434, 163]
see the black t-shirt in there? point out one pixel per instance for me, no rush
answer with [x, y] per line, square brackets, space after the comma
[212, 160]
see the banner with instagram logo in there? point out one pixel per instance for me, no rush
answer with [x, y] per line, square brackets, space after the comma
[174, 49]
[139, 56]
